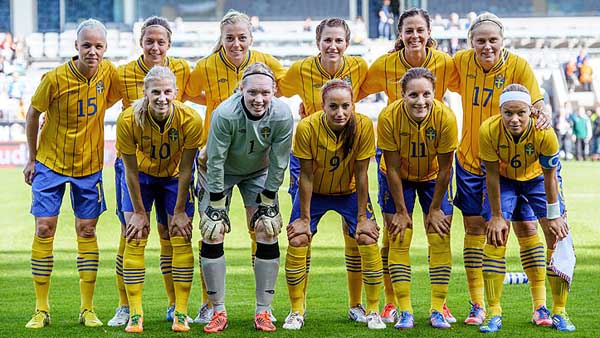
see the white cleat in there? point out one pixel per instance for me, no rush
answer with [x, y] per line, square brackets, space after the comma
[374, 321]
[121, 316]
[205, 314]
[358, 314]
[293, 321]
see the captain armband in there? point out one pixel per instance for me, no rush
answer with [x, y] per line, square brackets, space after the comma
[549, 162]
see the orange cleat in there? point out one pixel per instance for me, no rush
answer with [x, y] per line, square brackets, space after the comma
[135, 324]
[262, 322]
[218, 322]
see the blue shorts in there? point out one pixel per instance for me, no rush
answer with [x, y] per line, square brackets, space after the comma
[48, 188]
[294, 175]
[411, 189]
[470, 192]
[345, 205]
[162, 191]
[532, 191]
[121, 190]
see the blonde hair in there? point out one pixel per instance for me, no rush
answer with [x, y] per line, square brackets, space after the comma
[332, 22]
[140, 106]
[232, 17]
[91, 24]
[155, 21]
[257, 68]
[483, 18]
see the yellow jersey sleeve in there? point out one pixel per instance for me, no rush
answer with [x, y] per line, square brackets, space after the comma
[386, 137]
[365, 144]
[487, 133]
[302, 141]
[126, 143]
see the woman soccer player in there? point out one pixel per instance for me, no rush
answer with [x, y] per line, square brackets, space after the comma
[414, 48]
[334, 147]
[155, 41]
[158, 138]
[69, 149]
[418, 136]
[484, 71]
[521, 160]
[305, 78]
[248, 146]
[215, 78]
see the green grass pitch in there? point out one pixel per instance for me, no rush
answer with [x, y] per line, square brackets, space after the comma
[327, 294]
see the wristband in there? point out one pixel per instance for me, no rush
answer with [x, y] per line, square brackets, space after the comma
[553, 210]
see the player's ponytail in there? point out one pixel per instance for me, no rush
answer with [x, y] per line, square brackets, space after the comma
[232, 17]
[399, 44]
[140, 106]
[349, 132]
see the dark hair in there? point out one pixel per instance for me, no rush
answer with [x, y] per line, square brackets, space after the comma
[257, 68]
[399, 44]
[350, 128]
[155, 21]
[515, 87]
[416, 73]
[332, 22]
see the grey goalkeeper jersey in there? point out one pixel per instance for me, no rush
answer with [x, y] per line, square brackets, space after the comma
[240, 146]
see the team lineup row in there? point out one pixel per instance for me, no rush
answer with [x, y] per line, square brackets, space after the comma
[246, 139]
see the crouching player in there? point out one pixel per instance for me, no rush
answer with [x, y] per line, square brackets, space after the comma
[158, 139]
[418, 136]
[248, 145]
[334, 147]
[520, 160]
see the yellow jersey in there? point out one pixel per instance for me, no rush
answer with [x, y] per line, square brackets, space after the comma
[519, 159]
[217, 77]
[131, 78]
[71, 141]
[387, 71]
[158, 149]
[480, 92]
[306, 77]
[417, 143]
[333, 174]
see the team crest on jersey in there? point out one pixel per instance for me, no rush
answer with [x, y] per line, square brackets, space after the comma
[499, 81]
[265, 132]
[222, 80]
[529, 149]
[430, 133]
[173, 134]
[100, 87]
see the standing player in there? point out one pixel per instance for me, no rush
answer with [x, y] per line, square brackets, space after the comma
[414, 48]
[216, 77]
[158, 138]
[305, 78]
[520, 160]
[70, 149]
[155, 41]
[484, 71]
[248, 146]
[334, 147]
[418, 136]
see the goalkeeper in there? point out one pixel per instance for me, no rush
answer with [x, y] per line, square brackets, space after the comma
[248, 146]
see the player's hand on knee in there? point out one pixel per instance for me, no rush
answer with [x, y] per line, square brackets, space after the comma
[181, 225]
[367, 228]
[138, 227]
[215, 220]
[299, 227]
[268, 214]
[400, 222]
[497, 231]
[437, 221]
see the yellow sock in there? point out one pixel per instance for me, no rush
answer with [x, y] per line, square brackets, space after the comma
[205, 299]
[295, 274]
[400, 271]
[372, 274]
[440, 267]
[558, 286]
[252, 245]
[494, 269]
[134, 272]
[534, 265]
[353, 270]
[183, 271]
[42, 262]
[308, 250]
[119, 267]
[87, 264]
[388, 289]
[166, 268]
[473, 257]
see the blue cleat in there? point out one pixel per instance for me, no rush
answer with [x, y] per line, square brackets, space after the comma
[561, 322]
[406, 321]
[438, 321]
[170, 313]
[493, 324]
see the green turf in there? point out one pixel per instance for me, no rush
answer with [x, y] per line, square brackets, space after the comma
[327, 304]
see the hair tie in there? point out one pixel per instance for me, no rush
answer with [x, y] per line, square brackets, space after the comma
[515, 96]
[259, 73]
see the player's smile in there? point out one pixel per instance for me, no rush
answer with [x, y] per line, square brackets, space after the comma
[236, 41]
[487, 42]
[515, 116]
[91, 44]
[160, 94]
[419, 98]
[333, 44]
[338, 108]
[155, 44]
[258, 90]
[415, 32]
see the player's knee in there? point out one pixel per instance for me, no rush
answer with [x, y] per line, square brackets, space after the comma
[299, 241]
[45, 228]
[263, 236]
[86, 229]
[163, 231]
[363, 239]
[525, 229]
[474, 225]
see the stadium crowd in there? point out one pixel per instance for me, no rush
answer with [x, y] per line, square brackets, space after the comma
[507, 169]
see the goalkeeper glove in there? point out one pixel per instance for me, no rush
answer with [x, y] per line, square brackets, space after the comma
[215, 220]
[268, 214]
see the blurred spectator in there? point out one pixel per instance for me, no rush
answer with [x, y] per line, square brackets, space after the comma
[583, 54]
[2, 67]
[256, 27]
[307, 25]
[571, 74]
[454, 22]
[562, 126]
[585, 75]
[178, 25]
[471, 16]
[595, 143]
[7, 47]
[453, 25]
[582, 132]
[386, 21]
[359, 31]
[438, 21]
